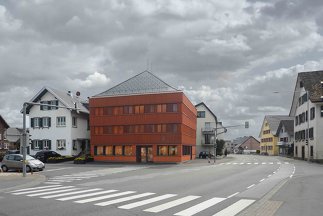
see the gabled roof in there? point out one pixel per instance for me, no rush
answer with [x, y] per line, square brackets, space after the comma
[241, 140]
[289, 126]
[3, 122]
[142, 83]
[274, 121]
[311, 82]
[62, 97]
[203, 104]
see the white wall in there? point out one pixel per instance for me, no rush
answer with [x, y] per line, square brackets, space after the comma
[55, 132]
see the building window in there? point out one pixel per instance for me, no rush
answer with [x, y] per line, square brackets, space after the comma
[172, 150]
[118, 150]
[200, 114]
[61, 121]
[306, 116]
[312, 111]
[36, 144]
[74, 121]
[128, 150]
[109, 150]
[311, 151]
[296, 120]
[74, 144]
[171, 108]
[311, 133]
[99, 150]
[35, 122]
[296, 152]
[162, 150]
[46, 144]
[46, 121]
[61, 144]
[321, 111]
[187, 150]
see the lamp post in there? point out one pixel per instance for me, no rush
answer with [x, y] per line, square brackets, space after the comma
[24, 132]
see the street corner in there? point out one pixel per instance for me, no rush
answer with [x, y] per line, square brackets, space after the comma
[14, 180]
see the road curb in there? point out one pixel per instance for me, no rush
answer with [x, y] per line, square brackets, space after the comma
[33, 180]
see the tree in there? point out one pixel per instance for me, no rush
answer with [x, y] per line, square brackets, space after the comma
[219, 146]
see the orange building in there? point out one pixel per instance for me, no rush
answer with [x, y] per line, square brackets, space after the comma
[142, 120]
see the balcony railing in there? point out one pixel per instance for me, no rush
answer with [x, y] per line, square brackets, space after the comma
[206, 143]
[208, 130]
[282, 143]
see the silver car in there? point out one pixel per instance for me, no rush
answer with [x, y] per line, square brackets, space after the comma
[14, 161]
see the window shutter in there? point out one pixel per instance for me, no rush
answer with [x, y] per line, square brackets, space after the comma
[49, 103]
[49, 121]
[56, 103]
[41, 106]
[32, 145]
[32, 122]
[40, 122]
[40, 144]
[49, 145]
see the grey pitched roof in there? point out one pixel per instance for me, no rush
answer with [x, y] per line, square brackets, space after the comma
[203, 104]
[5, 124]
[13, 134]
[238, 141]
[63, 97]
[142, 83]
[274, 121]
[289, 126]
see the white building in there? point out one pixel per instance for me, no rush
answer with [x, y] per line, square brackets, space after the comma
[286, 137]
[207, 124]
[308, 116]
[64, 130]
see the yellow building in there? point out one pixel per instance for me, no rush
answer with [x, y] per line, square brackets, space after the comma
[269, 134]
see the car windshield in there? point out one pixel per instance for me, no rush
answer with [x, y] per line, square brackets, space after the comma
[28, 157]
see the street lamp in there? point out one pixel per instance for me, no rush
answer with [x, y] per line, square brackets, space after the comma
[24, 132]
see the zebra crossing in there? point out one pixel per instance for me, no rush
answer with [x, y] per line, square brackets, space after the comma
[254, 163]
[90, 174]
[132, 199]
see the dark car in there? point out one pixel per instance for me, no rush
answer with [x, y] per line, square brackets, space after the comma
[45, 154]
[12, 152]
[205, 154]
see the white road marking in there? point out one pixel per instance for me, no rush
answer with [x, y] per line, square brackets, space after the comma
[52, 192]
[104, 197]
[250, 186]
[33, 188]
[51, 170]
[41, 190]
[232, 195]
[286, 162]
[123, 199]
[235, 208]
[256, 163]
[171, 204]
[145, 202]
[271, 162]
[269, 176]
[52, 182]
[248, 163]
[86, 195]
[200, 207]
[241, 163]
[70, 193]
[263, 163]
[262, 180]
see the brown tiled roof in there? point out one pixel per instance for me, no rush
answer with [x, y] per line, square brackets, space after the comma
[312, 83]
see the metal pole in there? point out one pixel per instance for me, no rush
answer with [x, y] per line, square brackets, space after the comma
[24, 141]
[308, 126]
[216, 135]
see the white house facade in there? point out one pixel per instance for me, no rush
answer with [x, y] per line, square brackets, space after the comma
[206, 127]
[307, 108]
[286, 138]
[64, 129]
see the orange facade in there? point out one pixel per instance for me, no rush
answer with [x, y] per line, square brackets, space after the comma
[155, 128]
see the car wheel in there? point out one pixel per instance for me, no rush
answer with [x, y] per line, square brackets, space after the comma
[28, 169]
[4, 168]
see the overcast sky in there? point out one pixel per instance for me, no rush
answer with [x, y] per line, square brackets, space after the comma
[231, 55]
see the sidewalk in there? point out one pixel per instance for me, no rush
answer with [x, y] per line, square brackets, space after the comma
[14, 180]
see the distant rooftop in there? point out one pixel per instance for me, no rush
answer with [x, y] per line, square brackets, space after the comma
[142, 83]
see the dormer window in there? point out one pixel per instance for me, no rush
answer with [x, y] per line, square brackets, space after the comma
[301, 85]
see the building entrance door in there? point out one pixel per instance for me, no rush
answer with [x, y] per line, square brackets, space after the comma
[303, 152]
[144, 154]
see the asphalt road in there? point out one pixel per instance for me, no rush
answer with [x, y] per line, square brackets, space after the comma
[236, 185]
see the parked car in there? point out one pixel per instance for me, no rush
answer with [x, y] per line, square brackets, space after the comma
[14, 161]
[45, 154]
[12, 152]
[204, 154]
